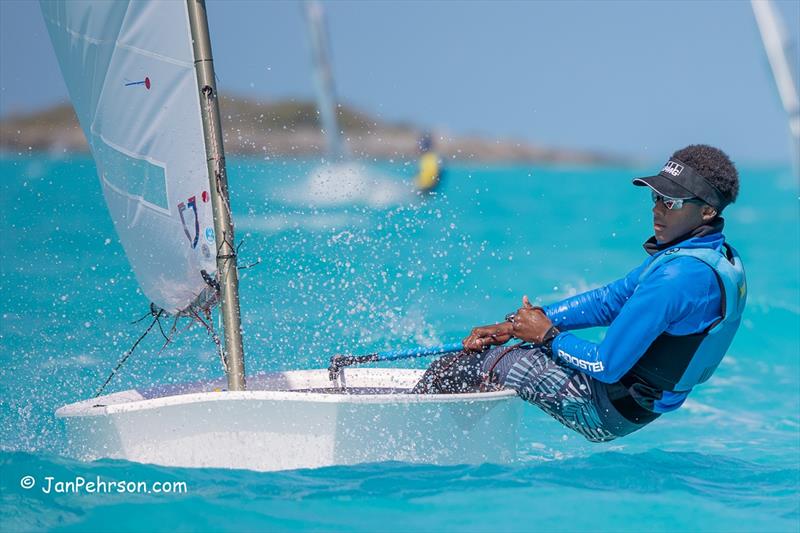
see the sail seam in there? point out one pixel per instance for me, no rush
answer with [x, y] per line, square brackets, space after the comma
[77, 34]
[118, 45]
[128, 194]
[154, 55]
[138, 198]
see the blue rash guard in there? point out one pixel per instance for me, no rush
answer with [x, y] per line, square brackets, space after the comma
[680, 297]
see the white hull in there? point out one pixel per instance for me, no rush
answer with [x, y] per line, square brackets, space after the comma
[276, 425]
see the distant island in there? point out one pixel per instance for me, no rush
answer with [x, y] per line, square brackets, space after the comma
[291, 128]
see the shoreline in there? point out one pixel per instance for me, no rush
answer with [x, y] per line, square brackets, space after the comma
[290, 129]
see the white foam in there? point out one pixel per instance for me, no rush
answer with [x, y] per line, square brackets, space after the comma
[332, 184]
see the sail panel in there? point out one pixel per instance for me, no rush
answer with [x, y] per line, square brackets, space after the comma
[323, 79]
[129, 69]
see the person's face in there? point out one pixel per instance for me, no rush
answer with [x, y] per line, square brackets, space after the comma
[669, 224]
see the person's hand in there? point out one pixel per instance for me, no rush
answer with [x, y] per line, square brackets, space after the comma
[491, 335]
[530, 323]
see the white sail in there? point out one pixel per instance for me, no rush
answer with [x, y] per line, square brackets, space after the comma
[323, 79]
[777, 47]
[129, 69]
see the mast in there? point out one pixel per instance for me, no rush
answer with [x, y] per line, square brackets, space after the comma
[220, 201]
[323, 78]
[776, 45]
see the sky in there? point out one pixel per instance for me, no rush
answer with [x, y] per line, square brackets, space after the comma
[636, 79]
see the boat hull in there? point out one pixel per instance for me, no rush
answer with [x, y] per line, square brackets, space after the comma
[283, 422]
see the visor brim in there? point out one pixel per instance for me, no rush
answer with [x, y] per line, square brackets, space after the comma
[664, 186]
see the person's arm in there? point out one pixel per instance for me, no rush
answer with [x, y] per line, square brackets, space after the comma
[598, 307]
[661, 300]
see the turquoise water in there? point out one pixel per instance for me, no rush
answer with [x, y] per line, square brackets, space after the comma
[382, 270]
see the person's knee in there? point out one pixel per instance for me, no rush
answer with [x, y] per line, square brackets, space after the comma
[456, 373]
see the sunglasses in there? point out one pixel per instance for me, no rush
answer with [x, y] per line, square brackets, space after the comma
[674, 203]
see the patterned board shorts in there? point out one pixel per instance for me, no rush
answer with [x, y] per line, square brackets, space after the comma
[573, 398]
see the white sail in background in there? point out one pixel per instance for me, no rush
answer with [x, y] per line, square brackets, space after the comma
[129, 69]
[777, 47]
[323, 79]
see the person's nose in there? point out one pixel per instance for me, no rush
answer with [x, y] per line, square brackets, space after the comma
[659, 207]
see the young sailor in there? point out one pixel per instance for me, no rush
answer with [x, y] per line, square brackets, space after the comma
[430, 166]
[670, 320]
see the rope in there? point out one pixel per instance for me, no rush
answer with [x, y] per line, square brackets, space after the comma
[214, 336]
[192, 312]
[129, 352]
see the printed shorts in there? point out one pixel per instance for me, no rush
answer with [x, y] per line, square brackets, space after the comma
[573, 398]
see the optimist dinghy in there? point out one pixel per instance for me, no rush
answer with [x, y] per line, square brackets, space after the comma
[140, 75]
[339, 179]
[294, 420]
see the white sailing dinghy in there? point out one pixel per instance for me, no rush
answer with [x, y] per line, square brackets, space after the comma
[339, 179]
[141, 78]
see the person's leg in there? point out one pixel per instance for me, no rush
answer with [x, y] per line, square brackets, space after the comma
[467, 372]
[452, 374]
[576, 400]
[564, 393]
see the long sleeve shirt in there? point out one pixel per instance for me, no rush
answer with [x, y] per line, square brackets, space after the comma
[681, 297]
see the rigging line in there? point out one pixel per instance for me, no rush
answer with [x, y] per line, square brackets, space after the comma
[128, 354]
[222, 245]
[236, 254]
[234, 249]
[227, 257]
[251, 265]
[172, 332]
[215, 337]
[223, 273]
[238, 247]
[153, 310]
[147, 314]
[162, 330]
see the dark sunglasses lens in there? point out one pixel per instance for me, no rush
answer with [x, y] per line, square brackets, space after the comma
[669, 203]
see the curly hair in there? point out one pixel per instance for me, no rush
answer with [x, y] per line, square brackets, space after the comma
[714, 165]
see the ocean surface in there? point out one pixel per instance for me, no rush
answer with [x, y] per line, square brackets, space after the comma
[358, 267]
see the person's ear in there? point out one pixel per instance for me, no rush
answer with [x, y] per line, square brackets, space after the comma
[708, 213]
